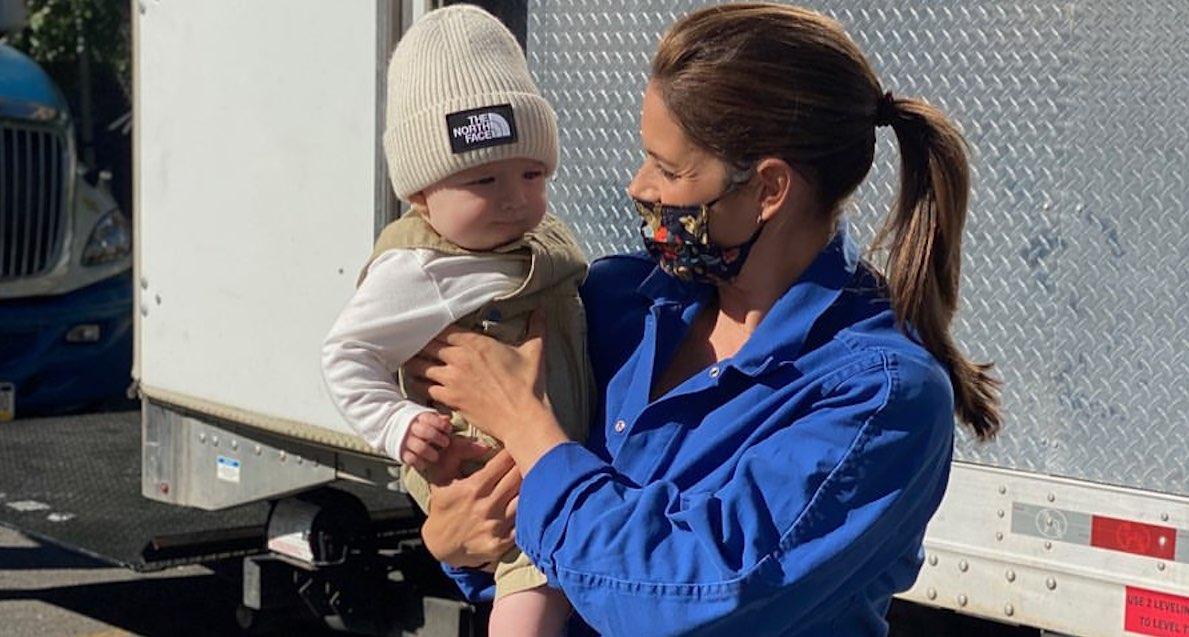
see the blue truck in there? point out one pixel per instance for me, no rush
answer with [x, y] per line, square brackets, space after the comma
[65, 253]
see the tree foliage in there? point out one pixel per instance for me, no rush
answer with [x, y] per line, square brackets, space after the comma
[60, 30]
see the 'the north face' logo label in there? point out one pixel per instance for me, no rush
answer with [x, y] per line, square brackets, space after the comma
[481, 127]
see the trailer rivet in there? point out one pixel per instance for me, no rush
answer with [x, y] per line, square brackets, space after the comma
[202, 437]
[932, 560]
[963, 565]
[1052, 498]
[163, 487]
[1010, 575]
[1009, 610]
[1162, 540]
[1164, 517]
[214, 441]
[962, 600]
[283, 455]
[144, 283]
[931, 593]
[144, 310]
[235, 444]
[1002, 489]
[300, 460]
[1051, 584]
[1160, 566]
[258, 450]
[1000, 513]
[999, 535]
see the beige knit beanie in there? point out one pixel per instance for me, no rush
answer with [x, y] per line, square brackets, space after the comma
[460, 95]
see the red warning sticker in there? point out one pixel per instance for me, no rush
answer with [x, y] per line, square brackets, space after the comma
[1133, 537]
[1152, 613]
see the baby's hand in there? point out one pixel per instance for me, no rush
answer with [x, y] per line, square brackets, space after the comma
[428, 434]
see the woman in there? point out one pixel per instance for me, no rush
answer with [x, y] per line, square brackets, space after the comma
[776, 418]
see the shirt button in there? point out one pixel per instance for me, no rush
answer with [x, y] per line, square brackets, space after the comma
[714, 371]
[620, 426]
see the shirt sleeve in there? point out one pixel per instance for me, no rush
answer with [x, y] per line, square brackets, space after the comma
[785, 540]
[407, 298]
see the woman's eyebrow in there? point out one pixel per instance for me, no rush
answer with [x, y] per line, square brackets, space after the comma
[660, 159]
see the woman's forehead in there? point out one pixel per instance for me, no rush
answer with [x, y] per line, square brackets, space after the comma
[661, 135]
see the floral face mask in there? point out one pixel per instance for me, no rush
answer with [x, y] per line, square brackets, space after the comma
[678, 238]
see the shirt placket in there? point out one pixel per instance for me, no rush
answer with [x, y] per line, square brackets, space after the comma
[639, 434]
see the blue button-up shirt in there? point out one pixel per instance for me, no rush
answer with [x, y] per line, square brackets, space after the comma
[781, 491]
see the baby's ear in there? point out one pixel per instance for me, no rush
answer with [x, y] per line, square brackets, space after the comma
[418, 198]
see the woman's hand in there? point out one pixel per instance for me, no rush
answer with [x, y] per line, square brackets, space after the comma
[472, 520]
[498, 388]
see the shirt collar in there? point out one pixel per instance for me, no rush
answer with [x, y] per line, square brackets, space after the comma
[783, 331]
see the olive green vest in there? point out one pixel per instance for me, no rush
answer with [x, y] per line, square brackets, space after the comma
[556, 267]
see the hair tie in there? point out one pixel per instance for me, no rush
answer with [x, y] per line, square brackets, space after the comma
[885, 110]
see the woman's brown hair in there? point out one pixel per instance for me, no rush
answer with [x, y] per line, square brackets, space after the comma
[748, 81]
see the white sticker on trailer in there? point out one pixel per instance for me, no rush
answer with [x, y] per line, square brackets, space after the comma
[227, 469]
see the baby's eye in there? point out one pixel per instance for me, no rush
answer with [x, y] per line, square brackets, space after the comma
[482, 181]
[533, 174]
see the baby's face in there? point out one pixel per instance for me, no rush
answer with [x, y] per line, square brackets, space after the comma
[487, 206]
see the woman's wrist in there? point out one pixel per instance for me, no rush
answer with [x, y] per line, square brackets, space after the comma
[535, 435]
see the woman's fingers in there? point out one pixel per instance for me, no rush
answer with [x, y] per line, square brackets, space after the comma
[459, 451]
[425, 367]
[509, 484]
[491, 476]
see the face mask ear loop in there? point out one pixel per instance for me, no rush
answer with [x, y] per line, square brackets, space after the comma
[737, 182]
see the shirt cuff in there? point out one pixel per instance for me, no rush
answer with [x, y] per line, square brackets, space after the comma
[476, 586]
[544, 494]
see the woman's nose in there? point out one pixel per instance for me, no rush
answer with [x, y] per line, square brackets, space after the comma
[641, 186]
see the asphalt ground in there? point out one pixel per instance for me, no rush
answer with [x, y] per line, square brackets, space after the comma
[46, 590]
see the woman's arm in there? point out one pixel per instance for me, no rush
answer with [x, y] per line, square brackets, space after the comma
[814, 515]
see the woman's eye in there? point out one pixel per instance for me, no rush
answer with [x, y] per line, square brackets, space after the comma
[668, 175]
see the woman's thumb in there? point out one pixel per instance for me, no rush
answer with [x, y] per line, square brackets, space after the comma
[473, 450]
[536, 326]
[534, 347]
[534, 337]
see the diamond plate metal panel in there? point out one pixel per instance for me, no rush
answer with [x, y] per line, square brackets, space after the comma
[1074, 280]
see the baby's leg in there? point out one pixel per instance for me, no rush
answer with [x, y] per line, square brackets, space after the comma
[538, 611]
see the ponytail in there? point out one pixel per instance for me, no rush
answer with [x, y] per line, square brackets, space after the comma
[923, 237]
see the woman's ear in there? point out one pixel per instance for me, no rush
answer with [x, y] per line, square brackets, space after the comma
[779, 184]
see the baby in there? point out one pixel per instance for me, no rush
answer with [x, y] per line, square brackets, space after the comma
[470, 143]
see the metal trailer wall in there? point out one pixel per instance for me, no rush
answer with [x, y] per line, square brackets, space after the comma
[1074, 279]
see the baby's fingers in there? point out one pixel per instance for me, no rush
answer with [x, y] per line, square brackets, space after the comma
[432, 428]
[421, 449]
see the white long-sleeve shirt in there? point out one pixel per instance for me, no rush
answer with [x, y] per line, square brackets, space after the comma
[407, 298]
